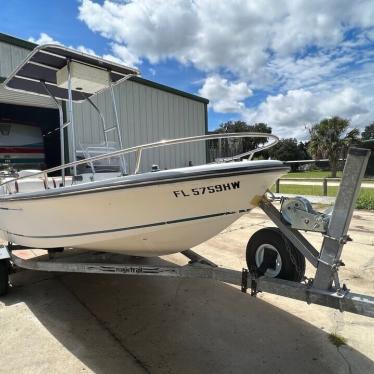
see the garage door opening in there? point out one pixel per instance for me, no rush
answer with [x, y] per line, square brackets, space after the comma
[29, 137]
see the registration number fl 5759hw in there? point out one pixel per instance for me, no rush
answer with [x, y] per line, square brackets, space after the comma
[207, 189]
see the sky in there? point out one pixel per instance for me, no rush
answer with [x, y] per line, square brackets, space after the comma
[288, 63]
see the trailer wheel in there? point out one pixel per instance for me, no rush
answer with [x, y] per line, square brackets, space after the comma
[273, 255]
[4, 277]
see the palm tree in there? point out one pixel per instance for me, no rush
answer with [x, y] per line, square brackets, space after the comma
[368, 133]
[330, 139]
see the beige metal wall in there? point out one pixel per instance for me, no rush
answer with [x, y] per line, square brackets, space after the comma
[147, 114]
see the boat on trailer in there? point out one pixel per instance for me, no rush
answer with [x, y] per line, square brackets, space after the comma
[108, 207]
[154, 213]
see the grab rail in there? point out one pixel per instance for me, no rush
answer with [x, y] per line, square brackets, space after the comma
[139, 150]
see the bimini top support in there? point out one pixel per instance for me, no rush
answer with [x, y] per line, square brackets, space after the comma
[65, 74]
[48, 64]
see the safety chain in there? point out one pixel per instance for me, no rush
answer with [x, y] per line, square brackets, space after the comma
[244, 285]
[254, 276]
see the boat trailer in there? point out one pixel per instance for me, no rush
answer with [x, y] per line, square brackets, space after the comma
[324, 289]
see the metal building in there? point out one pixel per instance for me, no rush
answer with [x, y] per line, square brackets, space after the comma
[147, 112]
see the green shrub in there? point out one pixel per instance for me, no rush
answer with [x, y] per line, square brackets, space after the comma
[365, 201]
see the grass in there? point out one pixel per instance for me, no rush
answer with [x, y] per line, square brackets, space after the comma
[311, 174]
[302, 190]
[365, 199]
[316, 174]
[337, 339]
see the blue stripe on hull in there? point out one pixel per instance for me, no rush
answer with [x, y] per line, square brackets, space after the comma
[133, 227]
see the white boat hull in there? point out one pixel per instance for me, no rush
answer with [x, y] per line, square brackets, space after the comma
[150, 219]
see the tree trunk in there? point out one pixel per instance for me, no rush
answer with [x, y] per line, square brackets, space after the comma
[333, 166]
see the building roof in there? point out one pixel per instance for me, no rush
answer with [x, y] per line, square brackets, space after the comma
[30, 46]
[172, 90]
[17, 42]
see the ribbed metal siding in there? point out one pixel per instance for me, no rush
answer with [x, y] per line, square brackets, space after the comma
[10, 57]
[147, 114]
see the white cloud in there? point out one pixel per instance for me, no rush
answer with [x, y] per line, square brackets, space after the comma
[83, 49]
[240, 36]
[155, 26]
[225, 96]
[287, 113]
[120, 54]
[346, 103]
[292, 73]
[124, 55]
[43, 39]
[298, 49]
[290, 113]
[152, 71]
[314, 58]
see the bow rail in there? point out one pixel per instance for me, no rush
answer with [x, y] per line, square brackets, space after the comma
[140, 148]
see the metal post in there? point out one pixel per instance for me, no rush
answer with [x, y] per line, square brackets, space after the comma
[138, 159]
[101, 118]
[61, 120]
[324, 186]
[336, 235]
[116, 115]
[277, 183]
[71, 117]
[117, 123]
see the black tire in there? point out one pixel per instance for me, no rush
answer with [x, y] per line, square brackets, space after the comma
[4, 277]
[273, 236]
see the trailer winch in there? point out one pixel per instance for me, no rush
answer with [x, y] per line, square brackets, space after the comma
[299, 213]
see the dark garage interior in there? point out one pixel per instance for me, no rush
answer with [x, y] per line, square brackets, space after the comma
[46, 119]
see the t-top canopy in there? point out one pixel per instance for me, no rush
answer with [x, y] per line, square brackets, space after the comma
[47, 64]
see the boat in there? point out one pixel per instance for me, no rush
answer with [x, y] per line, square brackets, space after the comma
[96, 202]
[21, 145]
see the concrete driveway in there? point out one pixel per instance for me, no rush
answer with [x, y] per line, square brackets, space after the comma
[121, 324]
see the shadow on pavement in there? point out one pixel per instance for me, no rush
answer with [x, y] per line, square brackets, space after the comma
[177, 326]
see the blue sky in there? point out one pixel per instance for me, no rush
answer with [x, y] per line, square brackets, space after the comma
[288, 63]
